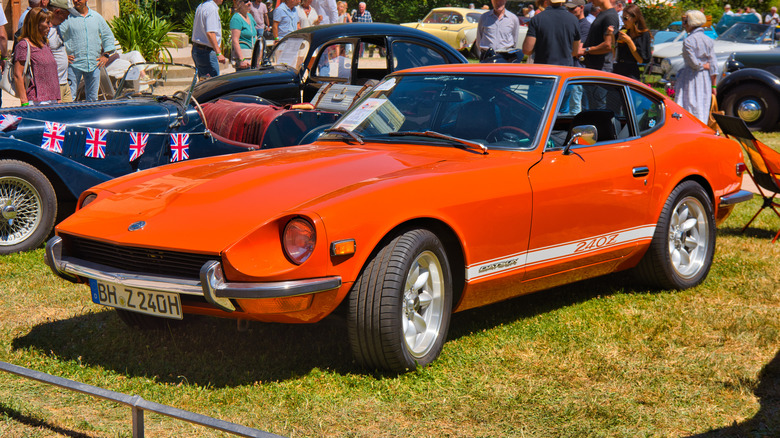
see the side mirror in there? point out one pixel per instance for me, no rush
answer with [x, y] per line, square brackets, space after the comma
[581, 135]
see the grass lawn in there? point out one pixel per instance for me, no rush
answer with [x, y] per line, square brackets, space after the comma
[597, 358]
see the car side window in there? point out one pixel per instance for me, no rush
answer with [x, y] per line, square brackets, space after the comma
[335, 61]
[408, 54]
[598, 104]
[649, 113]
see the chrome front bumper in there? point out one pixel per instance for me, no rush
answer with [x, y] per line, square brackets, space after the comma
[212, 285]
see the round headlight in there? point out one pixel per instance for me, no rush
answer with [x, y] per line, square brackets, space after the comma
[298, 240]
[88, 200]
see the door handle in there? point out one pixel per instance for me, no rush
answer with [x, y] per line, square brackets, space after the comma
[640, 171]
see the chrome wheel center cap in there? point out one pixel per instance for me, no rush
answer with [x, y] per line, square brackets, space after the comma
[749, 110]
[9, 212]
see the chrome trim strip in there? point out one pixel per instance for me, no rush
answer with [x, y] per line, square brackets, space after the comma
[736, 198]
[215, 285]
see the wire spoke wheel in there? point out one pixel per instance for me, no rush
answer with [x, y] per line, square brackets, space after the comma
[423, 304]
[28, 206]
[21, 207]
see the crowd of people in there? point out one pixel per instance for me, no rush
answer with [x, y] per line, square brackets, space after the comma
[58, 44]
[608, 35]
[254, 19]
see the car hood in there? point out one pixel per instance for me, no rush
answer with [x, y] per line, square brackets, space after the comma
[233, 195]
[669, 50]
[221, 85]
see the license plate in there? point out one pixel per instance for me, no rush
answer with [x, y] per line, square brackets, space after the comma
[151, 302]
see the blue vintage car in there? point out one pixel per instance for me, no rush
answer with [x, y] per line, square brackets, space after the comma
[50, 154]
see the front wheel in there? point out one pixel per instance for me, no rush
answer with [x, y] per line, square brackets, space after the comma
[400, 305]
[28, 207]
[680, 254]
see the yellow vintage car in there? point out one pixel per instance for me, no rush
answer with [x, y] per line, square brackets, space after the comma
[456, 26]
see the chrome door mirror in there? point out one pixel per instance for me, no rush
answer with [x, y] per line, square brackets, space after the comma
[581, 135]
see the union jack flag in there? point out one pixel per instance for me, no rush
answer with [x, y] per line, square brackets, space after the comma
[137, 144]
[53, 137]
[96, 143]
[180, 147]
[8, 121]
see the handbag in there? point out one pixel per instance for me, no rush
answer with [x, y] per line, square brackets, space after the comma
[8, 81]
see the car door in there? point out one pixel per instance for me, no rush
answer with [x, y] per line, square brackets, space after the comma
[332, 62]
[590, 206]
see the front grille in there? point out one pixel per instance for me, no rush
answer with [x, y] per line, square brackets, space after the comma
[142, 260]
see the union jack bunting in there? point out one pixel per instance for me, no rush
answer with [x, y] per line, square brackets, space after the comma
[180, 147]
[137, 144]
[95, 146]
[53, 137]
[8, 121]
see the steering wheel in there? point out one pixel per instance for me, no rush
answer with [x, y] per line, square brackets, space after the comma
[511, 134]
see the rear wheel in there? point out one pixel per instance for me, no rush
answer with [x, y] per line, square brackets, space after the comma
[680, 254]
[28, 207]
[400, 305]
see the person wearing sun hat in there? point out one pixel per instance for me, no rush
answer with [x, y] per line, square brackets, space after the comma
[60, 9]
[553, 36]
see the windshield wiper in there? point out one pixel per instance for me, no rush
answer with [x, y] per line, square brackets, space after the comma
[433, 134]
[357, 137]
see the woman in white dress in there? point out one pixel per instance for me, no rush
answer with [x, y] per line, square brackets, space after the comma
[695, 86]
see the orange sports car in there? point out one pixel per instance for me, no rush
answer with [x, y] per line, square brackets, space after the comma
[446, 188]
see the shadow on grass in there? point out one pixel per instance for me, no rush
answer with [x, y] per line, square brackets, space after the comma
[27, 420]
[766, 422]
[758, 233]
[212, 352]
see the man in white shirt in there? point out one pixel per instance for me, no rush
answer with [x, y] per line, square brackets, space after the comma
[772, 18]
[328, 11]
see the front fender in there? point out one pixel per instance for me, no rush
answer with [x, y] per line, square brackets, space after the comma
[74, 176]
[747, 75]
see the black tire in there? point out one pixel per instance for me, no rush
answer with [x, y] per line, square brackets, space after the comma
[146, 322]
[392, 325]
[680, 254]
[28, 207]
[753, 95]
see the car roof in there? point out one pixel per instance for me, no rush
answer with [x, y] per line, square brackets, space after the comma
[324, 32]
[535, 69]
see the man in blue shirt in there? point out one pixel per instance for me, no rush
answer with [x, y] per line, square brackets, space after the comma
[90, 41]
[207, 39]
[362, 15]
[286, 18]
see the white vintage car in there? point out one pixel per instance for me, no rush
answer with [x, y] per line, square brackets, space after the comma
[741, 37]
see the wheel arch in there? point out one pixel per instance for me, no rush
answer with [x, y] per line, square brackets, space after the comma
[747, 76]
[448, 237]
[64, 194]
[697, 178]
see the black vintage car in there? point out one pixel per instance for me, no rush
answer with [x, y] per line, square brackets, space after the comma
[749, 87]
[308, 59]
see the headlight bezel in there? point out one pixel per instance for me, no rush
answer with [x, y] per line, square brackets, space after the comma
[299, 239]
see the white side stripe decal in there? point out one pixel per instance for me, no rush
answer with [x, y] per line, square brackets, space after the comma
[558, 252]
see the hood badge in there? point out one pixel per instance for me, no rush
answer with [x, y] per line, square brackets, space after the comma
[135, 226]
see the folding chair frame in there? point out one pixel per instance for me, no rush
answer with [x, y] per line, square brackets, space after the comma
[756, 151]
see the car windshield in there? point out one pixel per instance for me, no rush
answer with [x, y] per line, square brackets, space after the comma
[290, 52]
[750, 33]
[447, 17]
[473, 17]
[157, 79]
[496, 111]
